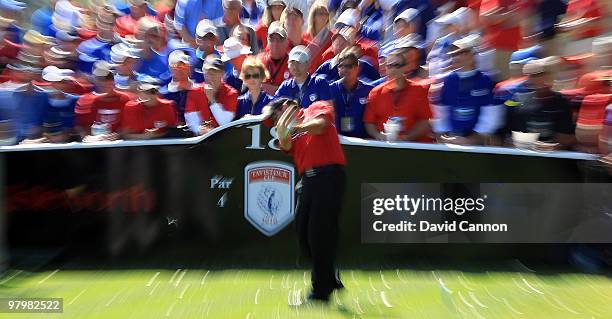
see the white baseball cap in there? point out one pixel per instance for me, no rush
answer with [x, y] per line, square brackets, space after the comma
[347, 18]
[233, 48]
[204, 27]
[179, 56]
[407, 15]
[469, 42]
[299, 54]
[55, 74]
[122, 51]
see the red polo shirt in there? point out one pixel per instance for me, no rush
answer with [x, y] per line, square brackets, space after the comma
[137, 117]
[279, 71]
[310, 150]
[411, 104]
[93, 107]
[198, 102]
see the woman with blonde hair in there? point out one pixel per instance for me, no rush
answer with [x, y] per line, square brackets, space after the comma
[253, 74]
[271, 13]
[318, 31]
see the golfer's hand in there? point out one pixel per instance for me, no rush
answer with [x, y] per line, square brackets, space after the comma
[282, 128]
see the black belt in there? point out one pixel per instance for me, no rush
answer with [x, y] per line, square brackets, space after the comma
[314, 171]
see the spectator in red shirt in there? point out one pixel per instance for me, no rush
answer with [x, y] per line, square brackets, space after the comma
[272, 13]
[275, 57]
[149, 116]
[399, 98]
[102, 107]
[213, 103]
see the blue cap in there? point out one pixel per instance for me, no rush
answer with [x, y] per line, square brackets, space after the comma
[523, 56]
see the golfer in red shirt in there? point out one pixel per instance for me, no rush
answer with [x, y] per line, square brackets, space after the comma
[310, 136]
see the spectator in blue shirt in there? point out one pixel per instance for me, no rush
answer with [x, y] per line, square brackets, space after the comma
[125, 58]
[350, 95]
[59, 114]
[177, 90]
[99, 47]
[26, 103]
[329, 70]
[154, 55]
[466, 113]
[206, 39]
[303, 87]
[192, 12]
[373, 26]
[253, 74]
[425, 9]
[252, 11]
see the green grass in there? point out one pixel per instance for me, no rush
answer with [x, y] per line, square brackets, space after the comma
[251, 293]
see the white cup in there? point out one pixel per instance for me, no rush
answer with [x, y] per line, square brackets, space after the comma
[524, 140]
[392, 130]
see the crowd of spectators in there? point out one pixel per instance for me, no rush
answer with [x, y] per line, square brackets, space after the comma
[519, 73]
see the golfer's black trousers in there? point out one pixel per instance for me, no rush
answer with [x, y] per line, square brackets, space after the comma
[320, 194]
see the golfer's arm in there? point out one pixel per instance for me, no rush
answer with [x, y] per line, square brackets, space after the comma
[315, 126]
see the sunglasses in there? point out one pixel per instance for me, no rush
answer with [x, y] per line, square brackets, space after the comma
[396, 65]
[252, 76]
[208, 36]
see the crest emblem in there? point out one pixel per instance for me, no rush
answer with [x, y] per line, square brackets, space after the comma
[269, 195]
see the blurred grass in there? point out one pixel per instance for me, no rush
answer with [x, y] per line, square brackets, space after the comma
[252, 293]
